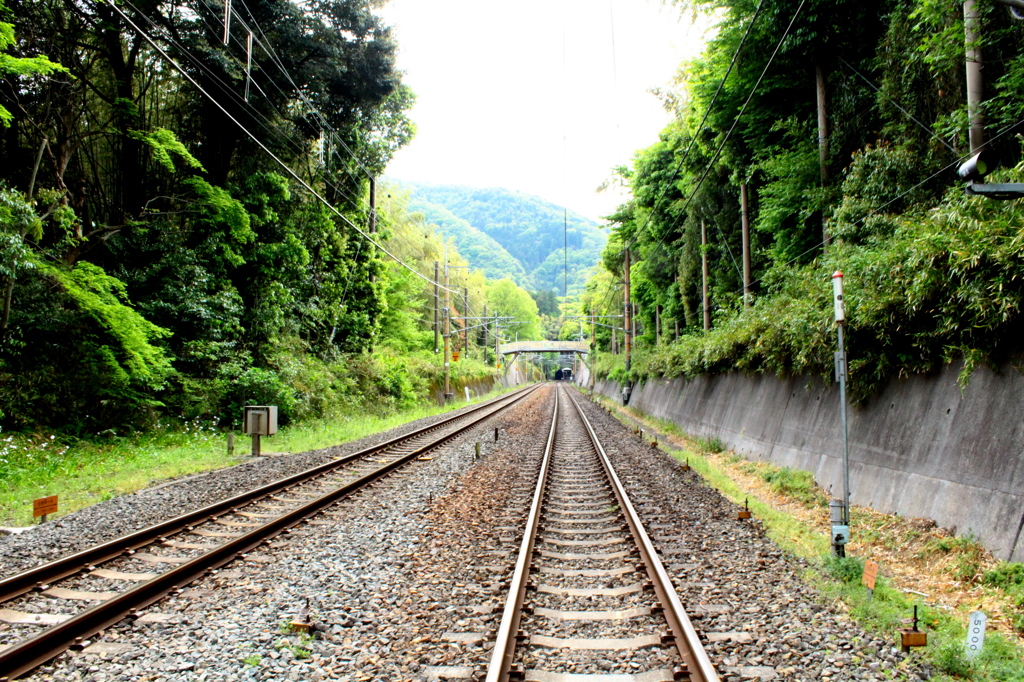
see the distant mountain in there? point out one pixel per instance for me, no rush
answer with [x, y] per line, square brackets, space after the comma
[512, 234]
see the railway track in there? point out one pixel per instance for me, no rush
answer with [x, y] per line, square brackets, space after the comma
[589, 594]
[120, 578]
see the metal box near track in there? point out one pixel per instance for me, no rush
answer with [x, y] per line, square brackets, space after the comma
[259, 420]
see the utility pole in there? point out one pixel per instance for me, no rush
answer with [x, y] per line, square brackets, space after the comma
[657, 325]
[975, 82]
[704, 271]
[841, 531]
[626, 388]
[437, 305]
[373, 206]
[447, 334]
[497, 338]
[821, 88]
[465, 321]
[373, 215]
[677, 330]
[745, 225]
[485, 333]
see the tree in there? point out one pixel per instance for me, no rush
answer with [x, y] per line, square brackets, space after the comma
[508, 300]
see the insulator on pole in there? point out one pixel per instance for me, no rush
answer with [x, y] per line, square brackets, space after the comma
[227, 21]
[248, 64]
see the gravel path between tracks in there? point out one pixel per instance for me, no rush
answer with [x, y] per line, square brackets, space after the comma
[128, 513]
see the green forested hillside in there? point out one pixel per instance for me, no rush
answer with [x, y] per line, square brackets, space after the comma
[932, 275]
[531, 230]
[479, 249]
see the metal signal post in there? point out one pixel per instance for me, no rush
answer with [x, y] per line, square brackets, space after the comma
[841, 530]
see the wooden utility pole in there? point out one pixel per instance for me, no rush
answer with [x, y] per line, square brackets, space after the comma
[615, 342]
[819, 75]
[704, 272]
[447, 336]
[437, 305]
[975, 82]
[657, 325]
[745, 225]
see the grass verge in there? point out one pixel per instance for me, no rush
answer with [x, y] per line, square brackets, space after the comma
[793, 512]
[84, 472]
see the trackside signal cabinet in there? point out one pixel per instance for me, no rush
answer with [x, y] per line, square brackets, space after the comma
[259, 420]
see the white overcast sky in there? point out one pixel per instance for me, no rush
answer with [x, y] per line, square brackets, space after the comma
[541, 96]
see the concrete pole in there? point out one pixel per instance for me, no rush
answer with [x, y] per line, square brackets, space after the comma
[626, 388]
[704, 271]
[975, 82]
[841, 532]
[447, 336]
[657, 325]
[615, 342]
[373, 215]
[484, 354]
[437, 305]
[465, 321]
[745, 225]
[819, 77]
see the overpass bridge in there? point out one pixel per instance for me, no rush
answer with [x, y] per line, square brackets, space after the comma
[581, 347]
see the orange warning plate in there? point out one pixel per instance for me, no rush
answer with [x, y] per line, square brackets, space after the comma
[44, 506]
[870, 574]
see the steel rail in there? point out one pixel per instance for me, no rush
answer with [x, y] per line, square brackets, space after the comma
[688, 644]
[38, 577]
[30, 653]
[508, 630]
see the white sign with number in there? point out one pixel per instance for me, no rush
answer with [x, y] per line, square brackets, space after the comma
[975, 633]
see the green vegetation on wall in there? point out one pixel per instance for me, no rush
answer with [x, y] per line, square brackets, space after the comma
[932, 276]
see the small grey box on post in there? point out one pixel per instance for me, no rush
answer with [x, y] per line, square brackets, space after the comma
[259, 420]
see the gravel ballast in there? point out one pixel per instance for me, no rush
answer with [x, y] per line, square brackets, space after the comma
[406, 580]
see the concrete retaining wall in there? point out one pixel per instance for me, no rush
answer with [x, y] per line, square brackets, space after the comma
[922, 448]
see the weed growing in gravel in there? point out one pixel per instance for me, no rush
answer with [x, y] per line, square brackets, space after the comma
[253, 660]
[298, 650]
